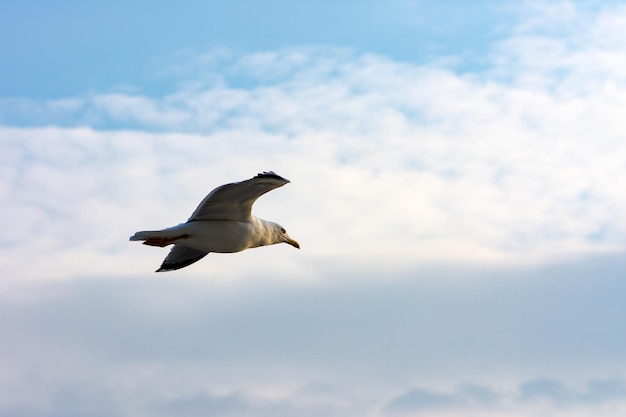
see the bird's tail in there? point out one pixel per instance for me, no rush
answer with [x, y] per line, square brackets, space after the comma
[145, 234]
[159, 237]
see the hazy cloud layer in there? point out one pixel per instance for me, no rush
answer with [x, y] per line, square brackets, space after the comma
[505, 342]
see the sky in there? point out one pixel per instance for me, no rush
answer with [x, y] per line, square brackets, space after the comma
[456, 171]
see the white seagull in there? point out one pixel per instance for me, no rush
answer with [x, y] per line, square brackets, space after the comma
[223, 223]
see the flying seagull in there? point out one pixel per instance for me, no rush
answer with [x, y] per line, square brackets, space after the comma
[223, 222]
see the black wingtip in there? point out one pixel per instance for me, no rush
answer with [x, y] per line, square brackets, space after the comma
[270, 174]
[172, 267]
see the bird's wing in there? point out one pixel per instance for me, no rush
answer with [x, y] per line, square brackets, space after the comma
[180, 257]
[234, 201]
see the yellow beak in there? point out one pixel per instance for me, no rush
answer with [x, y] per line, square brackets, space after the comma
[292, 242]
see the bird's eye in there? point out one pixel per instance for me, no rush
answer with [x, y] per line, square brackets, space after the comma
[282, 230]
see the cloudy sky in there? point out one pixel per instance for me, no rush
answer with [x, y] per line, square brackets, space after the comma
[457, 185]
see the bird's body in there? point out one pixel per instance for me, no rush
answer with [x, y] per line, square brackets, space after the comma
[222, 223]
[220, 236]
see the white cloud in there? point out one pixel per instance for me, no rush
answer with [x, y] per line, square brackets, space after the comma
[529, 398]
[388, 160]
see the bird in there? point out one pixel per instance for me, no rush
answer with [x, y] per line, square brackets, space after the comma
[222, 223]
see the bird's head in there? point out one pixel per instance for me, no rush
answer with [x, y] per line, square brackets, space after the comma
[283, 237]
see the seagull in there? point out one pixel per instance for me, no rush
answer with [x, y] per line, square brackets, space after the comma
[222, 223]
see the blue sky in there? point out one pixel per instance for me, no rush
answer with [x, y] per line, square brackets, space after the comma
[455, 186]
[65, 48]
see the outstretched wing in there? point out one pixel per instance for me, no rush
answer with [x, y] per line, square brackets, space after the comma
[180, 257]
[234, 201]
